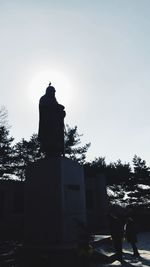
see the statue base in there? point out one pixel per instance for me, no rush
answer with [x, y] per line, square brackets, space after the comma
[54, 202]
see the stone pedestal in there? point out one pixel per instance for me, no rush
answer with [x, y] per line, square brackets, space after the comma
[54, 199]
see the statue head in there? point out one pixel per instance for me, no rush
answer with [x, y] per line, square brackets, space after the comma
[50, 90]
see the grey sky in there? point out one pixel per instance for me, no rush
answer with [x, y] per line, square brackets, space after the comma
[97, 55]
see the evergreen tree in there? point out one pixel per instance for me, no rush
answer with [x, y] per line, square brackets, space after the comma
[119, 173]
[25, 153]
[116, 173]
[73, 150]
[3, 116]
[141, 171]
[6, 152]
[96, 167]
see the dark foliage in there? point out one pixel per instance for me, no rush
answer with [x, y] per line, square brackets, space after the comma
[73, 149]
[96, 167]
[26, 152]
[118, 173]
[6, 153]
[141, 171]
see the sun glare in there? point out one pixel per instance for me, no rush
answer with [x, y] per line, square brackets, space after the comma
[41, 81]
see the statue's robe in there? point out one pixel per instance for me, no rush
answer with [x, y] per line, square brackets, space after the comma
[51, 126]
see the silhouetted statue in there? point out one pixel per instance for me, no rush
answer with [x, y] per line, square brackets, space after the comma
[51, 124]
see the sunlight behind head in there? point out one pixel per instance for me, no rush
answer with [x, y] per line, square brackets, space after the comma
[40, 82]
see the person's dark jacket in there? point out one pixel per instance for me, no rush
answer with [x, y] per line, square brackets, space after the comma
[130, 232]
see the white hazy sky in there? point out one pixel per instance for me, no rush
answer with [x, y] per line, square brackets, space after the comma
[96, 53]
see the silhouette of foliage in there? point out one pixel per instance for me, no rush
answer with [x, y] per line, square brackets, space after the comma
[73, 150]
[3, 116]
[97, 166]
[26, 152]
[118, 173]
[6, 152]
[141, 171]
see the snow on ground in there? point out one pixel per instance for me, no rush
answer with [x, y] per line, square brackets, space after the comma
[129, 260]
[144, 250]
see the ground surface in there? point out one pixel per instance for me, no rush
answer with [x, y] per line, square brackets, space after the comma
[8, 255]
[144, 250]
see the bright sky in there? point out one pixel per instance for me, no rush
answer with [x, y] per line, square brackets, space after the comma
[96, 53]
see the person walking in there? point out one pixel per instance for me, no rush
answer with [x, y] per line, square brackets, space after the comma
[116, 231]
[131, 235]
